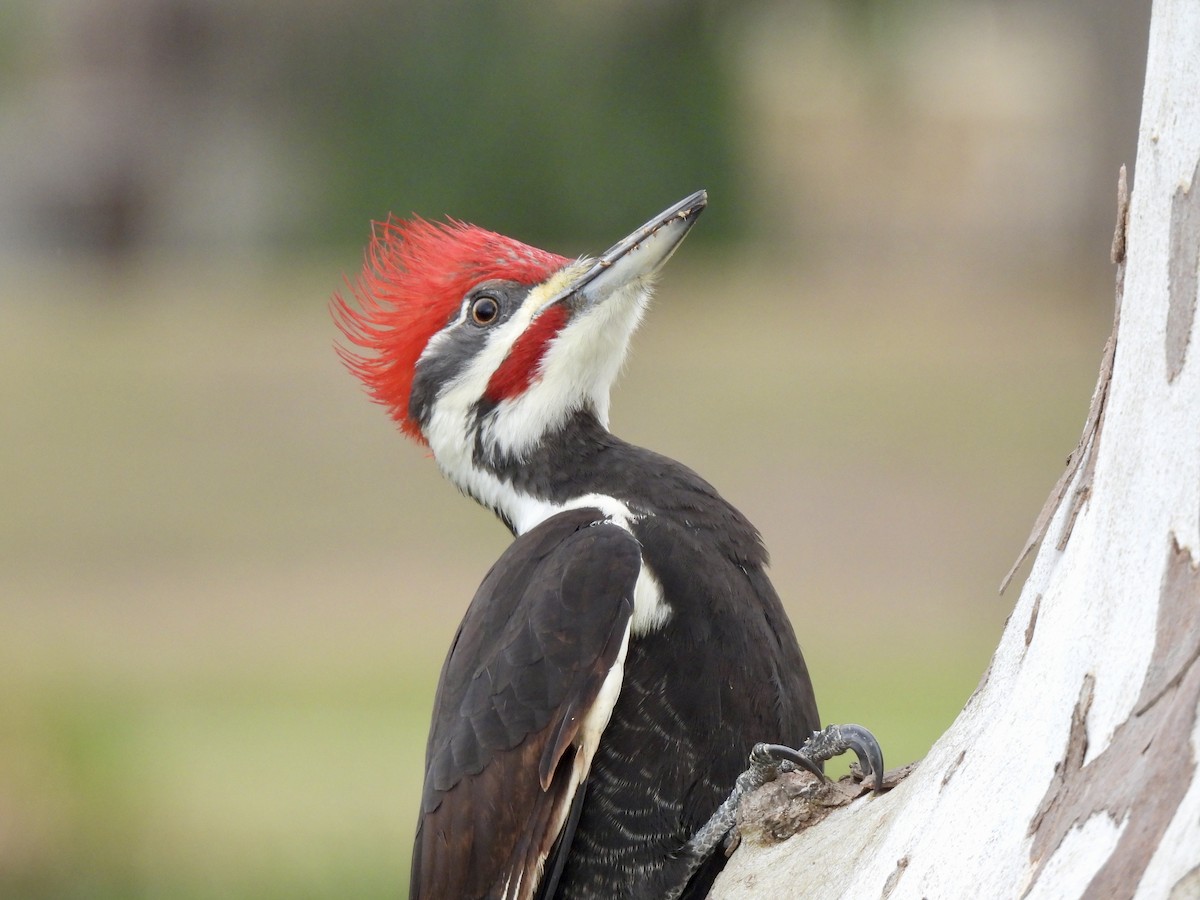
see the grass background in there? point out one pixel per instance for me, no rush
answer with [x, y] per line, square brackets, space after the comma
[226, 583]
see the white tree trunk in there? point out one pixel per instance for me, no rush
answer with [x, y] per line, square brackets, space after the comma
[1072, 771]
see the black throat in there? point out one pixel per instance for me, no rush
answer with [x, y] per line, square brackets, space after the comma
[583, 457]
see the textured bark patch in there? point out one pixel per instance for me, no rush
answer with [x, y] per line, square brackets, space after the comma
[1141, 777]
[1178, 642]
[1182, 273]
[953, 768]
[798, 800]
[1029, 629]
[894, 878]
[789, 804]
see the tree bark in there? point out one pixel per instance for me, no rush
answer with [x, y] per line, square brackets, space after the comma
[1072, 770]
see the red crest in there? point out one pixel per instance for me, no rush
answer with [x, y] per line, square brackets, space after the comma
[414, 278]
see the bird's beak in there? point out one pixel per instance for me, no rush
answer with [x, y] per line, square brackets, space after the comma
[638, 256]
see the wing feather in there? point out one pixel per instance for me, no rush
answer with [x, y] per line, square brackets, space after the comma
[525, 692]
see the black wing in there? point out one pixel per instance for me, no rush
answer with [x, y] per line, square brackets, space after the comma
[525, 691]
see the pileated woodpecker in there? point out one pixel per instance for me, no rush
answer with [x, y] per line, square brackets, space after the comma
[620, 659]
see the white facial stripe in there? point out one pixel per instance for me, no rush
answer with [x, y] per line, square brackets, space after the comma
[450, 429]
[578, 368]
[472, 382]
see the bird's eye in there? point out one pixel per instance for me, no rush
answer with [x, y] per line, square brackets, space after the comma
[484, 310]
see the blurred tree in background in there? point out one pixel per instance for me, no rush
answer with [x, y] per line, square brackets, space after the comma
[188, 121]
[549, 121]
[217, 126]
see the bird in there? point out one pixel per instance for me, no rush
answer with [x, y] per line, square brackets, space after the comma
[627, 653]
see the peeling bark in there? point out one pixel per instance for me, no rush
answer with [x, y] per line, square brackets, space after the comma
[1030, 628]
[1141, 777]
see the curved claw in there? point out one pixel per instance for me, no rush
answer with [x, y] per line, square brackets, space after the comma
[832, 741]
[780, 752]
[865, 747]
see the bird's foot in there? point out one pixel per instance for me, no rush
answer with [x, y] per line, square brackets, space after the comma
[767, 761]
[825, 745]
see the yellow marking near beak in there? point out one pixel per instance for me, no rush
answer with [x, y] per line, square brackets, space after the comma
[557, 286]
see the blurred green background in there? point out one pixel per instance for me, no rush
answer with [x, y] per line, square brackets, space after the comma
[226, 583]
